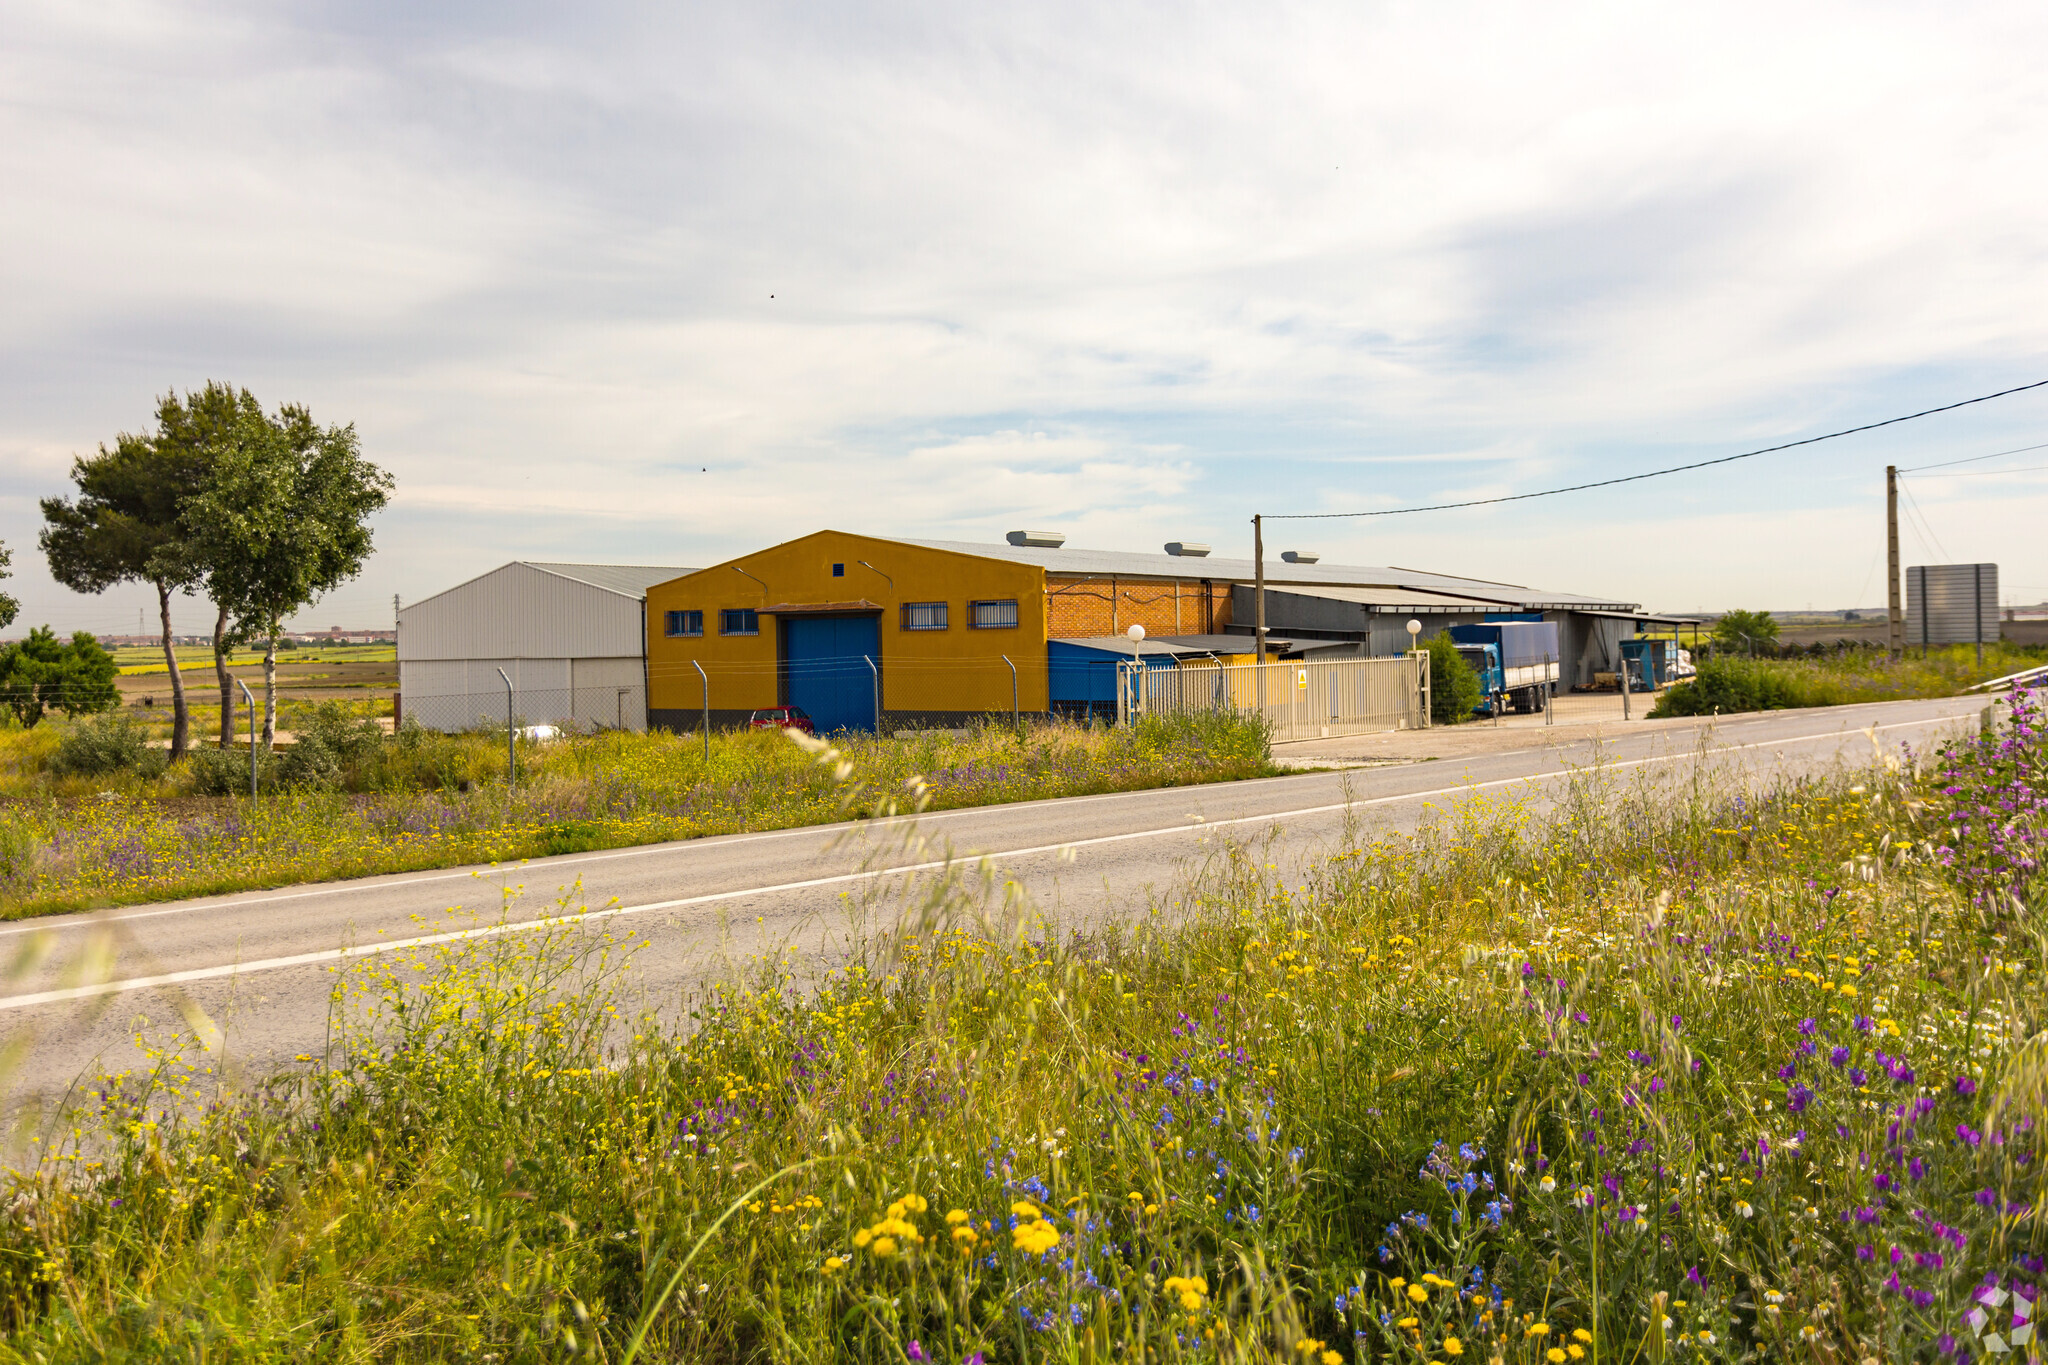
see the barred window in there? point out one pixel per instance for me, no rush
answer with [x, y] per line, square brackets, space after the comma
[685, 623]
[998, 615]
[924, 615]
[739, 621]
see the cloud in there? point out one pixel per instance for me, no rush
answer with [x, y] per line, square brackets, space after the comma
[667, 284]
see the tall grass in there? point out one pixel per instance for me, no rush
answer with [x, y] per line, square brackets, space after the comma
[1730, 683]
[421, 799]
[1745, 1076]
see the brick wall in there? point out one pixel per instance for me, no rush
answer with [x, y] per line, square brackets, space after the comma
[1077, 607]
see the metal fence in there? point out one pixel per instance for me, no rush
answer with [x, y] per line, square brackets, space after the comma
[571, 708]
[1312, 700]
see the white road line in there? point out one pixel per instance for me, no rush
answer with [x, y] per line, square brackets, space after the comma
[368, 950]
[761, 836]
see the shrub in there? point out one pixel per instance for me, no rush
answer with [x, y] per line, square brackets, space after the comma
[1729, 685]
[333, 744]
[39, 674]
[1453, 686]
[111, 743]
[225, 772]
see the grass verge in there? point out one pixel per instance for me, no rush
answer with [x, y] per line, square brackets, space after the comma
[1727, 684]
[1744, 1077]
[363, 804]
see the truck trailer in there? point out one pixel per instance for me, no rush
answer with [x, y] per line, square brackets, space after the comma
[1517, 662]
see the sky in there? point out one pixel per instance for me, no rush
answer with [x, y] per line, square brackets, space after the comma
[667, 284]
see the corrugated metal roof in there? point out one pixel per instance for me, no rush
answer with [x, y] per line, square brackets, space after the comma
[631, 579]
[1402, 599]
[1125, 647]
[1279, 574]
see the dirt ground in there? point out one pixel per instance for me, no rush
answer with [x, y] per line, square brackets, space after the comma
[313, 681]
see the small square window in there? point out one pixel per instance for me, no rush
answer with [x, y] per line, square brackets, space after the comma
[839, 571]
[739, 621]
[924, 615]
[998, 615]
[684, 623]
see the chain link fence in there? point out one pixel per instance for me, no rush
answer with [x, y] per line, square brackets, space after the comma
[601, 707]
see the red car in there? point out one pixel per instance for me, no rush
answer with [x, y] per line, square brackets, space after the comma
[782, 718]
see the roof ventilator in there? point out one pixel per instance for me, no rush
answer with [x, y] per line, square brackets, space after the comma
[1300, 556]
[1186, 549]
[1043, 540]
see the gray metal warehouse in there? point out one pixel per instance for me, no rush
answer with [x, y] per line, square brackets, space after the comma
[570, 637]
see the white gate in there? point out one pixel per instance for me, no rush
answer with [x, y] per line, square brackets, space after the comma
[1302, 700]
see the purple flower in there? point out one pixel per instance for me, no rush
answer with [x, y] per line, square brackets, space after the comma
[1838, 1057]
[1965, 1087]
[914, 1351]
[1806, 1028]
[1797, 1098]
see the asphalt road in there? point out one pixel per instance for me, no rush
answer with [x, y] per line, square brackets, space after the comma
[261, 965]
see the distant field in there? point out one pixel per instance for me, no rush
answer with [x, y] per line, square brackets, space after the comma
[138, 660]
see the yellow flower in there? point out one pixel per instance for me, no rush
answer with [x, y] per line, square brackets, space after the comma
[883, 1247]
[1453, 1346]
[1575, 1351]
[1554, 1356]
[1024, 1210]
[1035, 1237]
[964, 1238]
[1308, 1346]
[957, 1217]
[863, 1237]
[833, 1265]
[1537, 1329]
[1581, 1334]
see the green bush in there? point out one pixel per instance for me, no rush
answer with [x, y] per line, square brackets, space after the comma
[111, 743]
[225, 772]
[333, 745]
[1453, 686]
[1730, 685]
[39, 674]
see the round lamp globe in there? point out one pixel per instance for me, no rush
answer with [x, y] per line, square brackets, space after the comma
[1136, 633]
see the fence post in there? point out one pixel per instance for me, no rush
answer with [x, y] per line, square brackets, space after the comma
[877, 674]
[511, 734]
[1015, 723]
[706, 684]
[1549, 691]
[1624, 688]
[252, 735]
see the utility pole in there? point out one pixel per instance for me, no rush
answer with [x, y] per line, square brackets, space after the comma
[1259, 588]
[394, 611]
[1891, 542]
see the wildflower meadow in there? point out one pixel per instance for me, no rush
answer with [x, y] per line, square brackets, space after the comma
[1709, 1073]
[353, 802]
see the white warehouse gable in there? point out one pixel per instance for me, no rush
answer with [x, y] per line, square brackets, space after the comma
[569, 637]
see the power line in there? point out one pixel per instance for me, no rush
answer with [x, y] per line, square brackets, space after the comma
[1658, 473]
[1992, 473]
[1913, 504]
[1973, 459]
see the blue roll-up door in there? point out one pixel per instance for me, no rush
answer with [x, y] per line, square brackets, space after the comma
[824, 661]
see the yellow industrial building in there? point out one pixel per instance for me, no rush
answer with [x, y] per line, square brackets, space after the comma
[858, 629]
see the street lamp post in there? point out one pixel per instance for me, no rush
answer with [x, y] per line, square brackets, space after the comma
[1414, 637]
[1137, 636]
